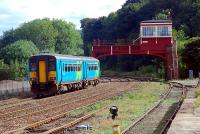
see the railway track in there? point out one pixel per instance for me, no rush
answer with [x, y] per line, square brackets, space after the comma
[149, 122]
[18, 110]
[63, 128]
[77, 103]
[70, 127]
[13, 109]
[12, 101]
[105, 79]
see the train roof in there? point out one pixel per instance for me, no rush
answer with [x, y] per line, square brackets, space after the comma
[68, 57]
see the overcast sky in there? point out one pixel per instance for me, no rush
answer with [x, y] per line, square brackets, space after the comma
[15, 12]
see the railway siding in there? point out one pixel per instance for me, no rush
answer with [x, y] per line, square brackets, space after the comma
[131, 105]
[187, 120]
[93, 96]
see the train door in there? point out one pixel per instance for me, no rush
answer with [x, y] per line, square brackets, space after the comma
[84, 70]
[42, 71]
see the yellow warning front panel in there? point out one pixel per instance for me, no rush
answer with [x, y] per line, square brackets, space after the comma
[32, 74]
[42, 71]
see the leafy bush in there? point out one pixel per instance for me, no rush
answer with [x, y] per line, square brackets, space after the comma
[150, 71]
[191, 54]
[14, 71]
[19, 51]
[197, 92]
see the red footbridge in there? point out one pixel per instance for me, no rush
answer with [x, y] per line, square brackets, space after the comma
[155, 40]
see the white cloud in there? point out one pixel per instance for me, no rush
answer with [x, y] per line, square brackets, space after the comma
[19, 11]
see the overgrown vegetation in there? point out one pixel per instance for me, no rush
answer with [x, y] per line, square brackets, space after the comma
[59, 36]
[143, 71]
[197, 95]
[40, 35]
[131, 106]
[124, 23]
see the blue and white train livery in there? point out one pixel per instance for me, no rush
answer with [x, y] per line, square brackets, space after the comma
[53, 73]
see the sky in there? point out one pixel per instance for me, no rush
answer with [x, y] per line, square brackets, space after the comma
[15, 12]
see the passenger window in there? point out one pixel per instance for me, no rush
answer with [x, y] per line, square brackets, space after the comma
[79, 67]
[68, 68]
[65, 68]
[71, 68]
[76, 68]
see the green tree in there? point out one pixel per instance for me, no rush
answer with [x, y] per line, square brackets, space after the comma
[68, 40]
[20, 50]
[191, 55]
[48, 35]
[41, 32]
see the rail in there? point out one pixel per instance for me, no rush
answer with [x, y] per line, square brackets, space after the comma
[168, 122]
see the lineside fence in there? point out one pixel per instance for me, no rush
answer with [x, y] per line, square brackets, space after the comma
[12, 88]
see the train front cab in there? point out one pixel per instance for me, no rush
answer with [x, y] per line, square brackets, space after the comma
[43, 75]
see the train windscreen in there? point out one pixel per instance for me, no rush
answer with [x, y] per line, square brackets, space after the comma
[33, 67]
[52, 66]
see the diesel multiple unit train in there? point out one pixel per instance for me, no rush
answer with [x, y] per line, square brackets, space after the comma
[52, 73]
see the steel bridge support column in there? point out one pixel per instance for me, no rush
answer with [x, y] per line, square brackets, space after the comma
[171, 64]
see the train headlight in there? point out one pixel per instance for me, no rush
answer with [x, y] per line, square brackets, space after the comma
[33, 79]
[52, 78]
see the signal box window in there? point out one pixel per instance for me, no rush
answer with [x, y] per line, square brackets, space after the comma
[149, 31]
[156, 31]
[164, 31]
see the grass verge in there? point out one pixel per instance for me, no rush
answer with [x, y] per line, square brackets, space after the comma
[131, 106]
[197, 95]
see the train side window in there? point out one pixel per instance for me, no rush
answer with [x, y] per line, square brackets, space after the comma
[79, 67]
[66, 68]
[92, 67]
[71, 68]
[76, 67]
